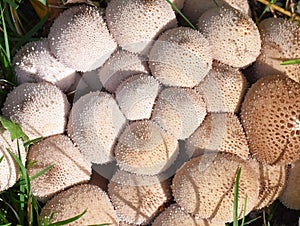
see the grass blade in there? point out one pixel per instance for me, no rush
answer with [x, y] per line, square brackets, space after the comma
[236, 195]
[1, 159]
[72, 219]
[289, 62]
[5, 34]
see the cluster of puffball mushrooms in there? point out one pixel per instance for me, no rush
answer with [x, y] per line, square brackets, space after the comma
[163, 106]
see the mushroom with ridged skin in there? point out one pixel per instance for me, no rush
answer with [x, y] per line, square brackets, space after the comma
[144, 148]
[271, 118]
[179, 111]
[34, 63]
[180, 57]
[233, 36]
[136, 96]
[69, 166]
[76, 200]
[40, 108]
[135, 24]
[76, 38]
[137, 199]
[94, 124]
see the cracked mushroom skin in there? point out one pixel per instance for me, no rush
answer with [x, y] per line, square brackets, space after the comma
[40, 108]
[76, 38]
[271, 118]
[74, 201]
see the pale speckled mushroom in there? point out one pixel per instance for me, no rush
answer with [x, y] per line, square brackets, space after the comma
[69, 166]
[137, 199]
[136, 96]
[34, 63]
[77, 38]
[120, 66]
[180, 57]
[9, 168]
[233, 36]
[206, 189]
[219, 132]
[136, 24]
[94, 124]
[74, 201]
[40, 108]
[179, 111]
[144, 148]
[280, 41]
[271, 118]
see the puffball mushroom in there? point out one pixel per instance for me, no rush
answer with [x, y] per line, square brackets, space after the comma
[94, 124]
[233, 36]
[136, 24]
[271, 118]
[180, 57]
[137, 199]
[74, 201]
[40, 108]
[144, 148]
[79, 38]
[280, 41]
[206, 189]
[179, 111]
[69, 166]
[34, 63]
[136, 96]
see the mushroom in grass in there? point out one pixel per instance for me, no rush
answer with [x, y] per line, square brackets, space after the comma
[138, 199]
[40, 108]
[135, 24]
[219, 132]
[180, 57]
[179, 111]
[204, 186]
[75, 201]
[94, 124]
[271, 118]
[280, 42]
[79, 38]
[34, 63]
[69, 166]
[9, 168]
[233, 36]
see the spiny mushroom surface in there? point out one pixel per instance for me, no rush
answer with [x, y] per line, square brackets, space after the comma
[233, 36]
[180, 57]
[271, 118]
[40, 108]
[135, 24]
[77, 38]
[94, 124]
[75, 200]
[34, 63]
[69, 166]
[137, 199]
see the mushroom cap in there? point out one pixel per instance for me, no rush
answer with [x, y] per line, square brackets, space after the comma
[94, 124]
[271, 118]
[233, 36]
[146, 149]
[40, 108]
[290, 196]
[136, 96]
[34, 63]
[136, 24]
[137, 199]
[75, 200]
[280, 41]
[179, 111]
[120, 66]
[219, 132]
[69, 166]
[180, 57]
[194, 184]
[77, 38]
